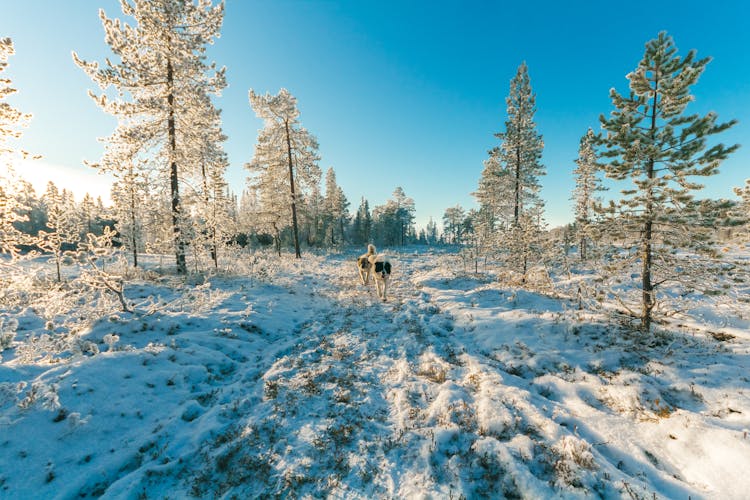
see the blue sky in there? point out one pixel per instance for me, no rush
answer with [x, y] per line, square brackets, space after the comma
[398, 93]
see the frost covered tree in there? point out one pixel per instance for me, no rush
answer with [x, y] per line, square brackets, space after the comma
[160, 84]
[11, 212]
[651, 142]
[336, 209]
[212, 205]
[11, 120]
[588, 184]
[431, 232]
[509, 187]
[453, 224]
[129, 195]
[62, 222]
[521, 146]
[741, 213]
[362, 224]
[405, 210]
[286, 153]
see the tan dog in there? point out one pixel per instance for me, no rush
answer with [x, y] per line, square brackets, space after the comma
[364, 266]
[381, 271]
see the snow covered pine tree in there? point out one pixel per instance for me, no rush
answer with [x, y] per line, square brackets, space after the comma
[650, 141]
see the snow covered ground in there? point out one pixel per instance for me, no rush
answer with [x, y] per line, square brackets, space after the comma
[291, 379]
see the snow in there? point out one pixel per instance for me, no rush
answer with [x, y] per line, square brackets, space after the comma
[290, 377]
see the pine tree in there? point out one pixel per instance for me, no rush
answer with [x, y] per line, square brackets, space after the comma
[62, 222]
[362, 224]
[162, 81]
[405, 210]
[651, 142]
[521, 146]
[509, 187]
[431, 232]
[129, 195]
[336, 208]
[11, 213]
[286, 153]
[588, 184]
[453, 224]
[11, 120]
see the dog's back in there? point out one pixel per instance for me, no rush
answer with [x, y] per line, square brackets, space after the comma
[363, 262]
[382, 266]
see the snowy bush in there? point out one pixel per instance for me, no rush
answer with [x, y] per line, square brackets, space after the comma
[8, 328]
[111, 339]
[573, 458]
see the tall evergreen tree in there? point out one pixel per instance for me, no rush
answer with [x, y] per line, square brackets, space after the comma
[62, 222]
[161, 82]
[362, 224]
[742, 212]
[129, 195]
[453, 224]
[521, 146]
[405, 210]
[588, 184]
[285, 150]
[336, 208]
[11, 121]
[652, 142]
[509, 187]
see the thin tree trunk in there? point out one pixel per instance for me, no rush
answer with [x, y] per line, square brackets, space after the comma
[174, 184]
[134, 240]
[517, 194]
[291, 185]
[647, 286]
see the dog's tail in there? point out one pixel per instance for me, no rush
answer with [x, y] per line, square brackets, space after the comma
[371, 249]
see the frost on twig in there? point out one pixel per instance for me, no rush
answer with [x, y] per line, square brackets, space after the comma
[95, 251]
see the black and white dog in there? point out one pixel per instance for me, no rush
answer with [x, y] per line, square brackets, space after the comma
[381, 271]
[363, 265]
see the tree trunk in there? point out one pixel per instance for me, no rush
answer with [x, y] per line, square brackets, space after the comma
[647, 286]
[583, 249]
[174, 184]
[297, 253]
[133, 238]
[517, 194]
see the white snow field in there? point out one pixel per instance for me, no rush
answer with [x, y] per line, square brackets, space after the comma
[290, 379]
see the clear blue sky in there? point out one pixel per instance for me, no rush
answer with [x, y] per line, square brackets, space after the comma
[400, 93]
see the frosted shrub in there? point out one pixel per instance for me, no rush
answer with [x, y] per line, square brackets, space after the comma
[8, 328]
[573, 458]
[111, 339]
[42, 393]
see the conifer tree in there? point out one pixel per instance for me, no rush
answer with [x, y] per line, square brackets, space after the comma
[11, 213]
[742, 212]
[336, 208]
[453, 224]
[161, 82]
[62, 223]
[129, 195]
[405, 210]
[362, 224]
[588, 184]
[11, 121]
[521, 146]
[509, 187]
[431, 232]
[285, 152]
[650, 141]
